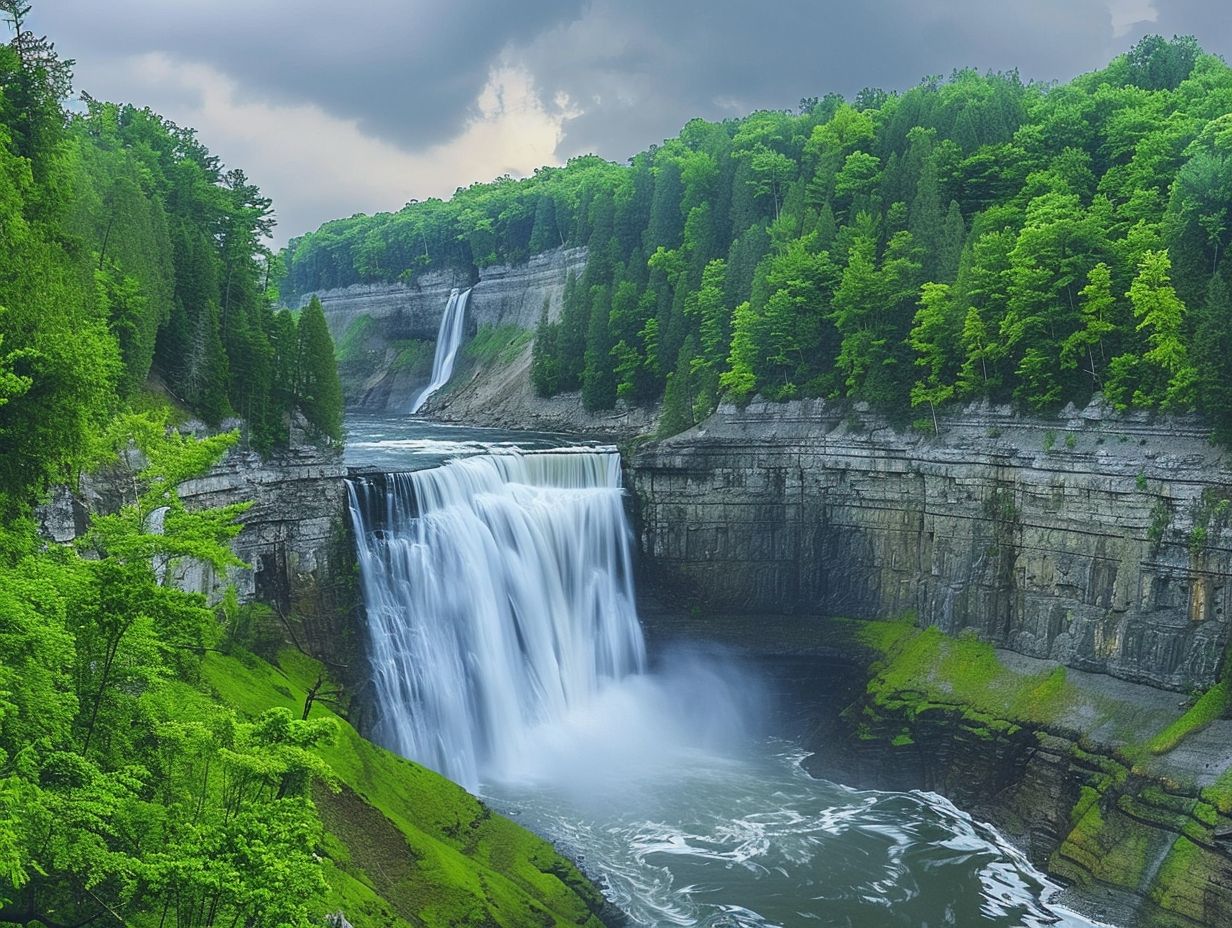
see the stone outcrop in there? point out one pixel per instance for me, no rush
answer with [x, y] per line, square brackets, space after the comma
[1097, 540]
[376, 325]
[502, 396]
[294, 535]
[294, 532]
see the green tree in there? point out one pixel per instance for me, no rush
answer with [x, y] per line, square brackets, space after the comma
[1163, 375]
[1212, 357]
[1087, 342]
[935, 338]
[320, 391]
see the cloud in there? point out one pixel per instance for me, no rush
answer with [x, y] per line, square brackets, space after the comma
[1209, 20]
[317, 166]
[405, 72]
[638, 69]
[336, 108]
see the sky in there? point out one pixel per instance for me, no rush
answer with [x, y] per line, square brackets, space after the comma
[340, 108]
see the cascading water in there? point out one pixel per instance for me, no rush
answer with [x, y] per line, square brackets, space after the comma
[448, 338]
[506, 653]
[499, 597]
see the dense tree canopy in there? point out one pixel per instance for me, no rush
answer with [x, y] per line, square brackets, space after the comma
[972, 237]
[127, 251]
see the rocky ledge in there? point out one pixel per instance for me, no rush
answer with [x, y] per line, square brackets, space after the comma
[1098, 540]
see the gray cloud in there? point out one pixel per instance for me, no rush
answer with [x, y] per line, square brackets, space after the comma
[408, 73]
[638, 68]
[617, 74]
[1209, 20]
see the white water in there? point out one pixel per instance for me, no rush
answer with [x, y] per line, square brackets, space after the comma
[499, 597]
[448, 338]
[507, 654]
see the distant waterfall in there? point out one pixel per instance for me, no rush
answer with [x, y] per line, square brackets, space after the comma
[447, 341]
[499, 595]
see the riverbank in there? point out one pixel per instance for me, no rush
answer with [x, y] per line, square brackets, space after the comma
[1119, 790]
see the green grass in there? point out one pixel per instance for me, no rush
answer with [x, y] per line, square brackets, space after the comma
[929, 667]
[497, 344]
[414, 356]
[1219, 793]
[406, 846]
[1212, 705]
[1178, 887]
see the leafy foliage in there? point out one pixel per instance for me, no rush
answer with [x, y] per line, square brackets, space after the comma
[970, 238]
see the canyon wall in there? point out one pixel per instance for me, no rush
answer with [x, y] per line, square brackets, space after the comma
[381, 329]
[1098, 540]
[294, 535]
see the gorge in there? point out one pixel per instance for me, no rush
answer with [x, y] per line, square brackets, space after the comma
[507, 654]
[1093, 541]
[822, 516]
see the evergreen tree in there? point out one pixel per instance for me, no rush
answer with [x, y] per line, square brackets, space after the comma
[599, 376]
[935, 342]
[545, 361]
[1212, 357]
[1163, 375]
[320, 391]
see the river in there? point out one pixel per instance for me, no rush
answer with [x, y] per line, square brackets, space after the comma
[507, 654]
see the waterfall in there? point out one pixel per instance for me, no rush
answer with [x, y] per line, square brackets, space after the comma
[499, 596]
[448, 338]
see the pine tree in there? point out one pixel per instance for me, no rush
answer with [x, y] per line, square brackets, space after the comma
[934, 340]
[678, 396]
[598, 375]
[545, 358]
[320, 391]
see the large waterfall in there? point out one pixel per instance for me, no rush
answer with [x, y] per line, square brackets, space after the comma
[499, 597]
[448, 338]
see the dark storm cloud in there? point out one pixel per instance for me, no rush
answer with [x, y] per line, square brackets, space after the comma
[628, 72]
[407, 72]
[1209, 20]
[639, 68]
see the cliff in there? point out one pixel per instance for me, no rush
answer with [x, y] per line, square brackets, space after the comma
[384, 332]
[1097, 540]
[295, 537]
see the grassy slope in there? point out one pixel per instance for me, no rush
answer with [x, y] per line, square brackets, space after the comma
[405, 845]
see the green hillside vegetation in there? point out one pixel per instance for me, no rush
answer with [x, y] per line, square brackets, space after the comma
[152, 772]
[405, 846]
[130, 253]
[975, 237]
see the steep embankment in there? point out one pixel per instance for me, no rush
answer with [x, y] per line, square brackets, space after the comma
[1092, 549]
[1096, 540]
[386, 333]
[403, 845]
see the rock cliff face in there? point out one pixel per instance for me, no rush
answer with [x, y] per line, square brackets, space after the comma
[1097, 540]
[293, 536]
[381, 328]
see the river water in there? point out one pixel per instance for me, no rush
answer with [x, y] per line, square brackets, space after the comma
[507, 654]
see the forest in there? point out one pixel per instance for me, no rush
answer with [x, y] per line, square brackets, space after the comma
[974, 237]
[135, 292]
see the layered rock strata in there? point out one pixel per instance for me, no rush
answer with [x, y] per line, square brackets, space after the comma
[1097, 540]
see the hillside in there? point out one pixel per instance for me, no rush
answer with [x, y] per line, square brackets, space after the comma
[973, 238]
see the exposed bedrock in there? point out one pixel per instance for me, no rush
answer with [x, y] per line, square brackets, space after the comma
[380, 328]
[1097, 540]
